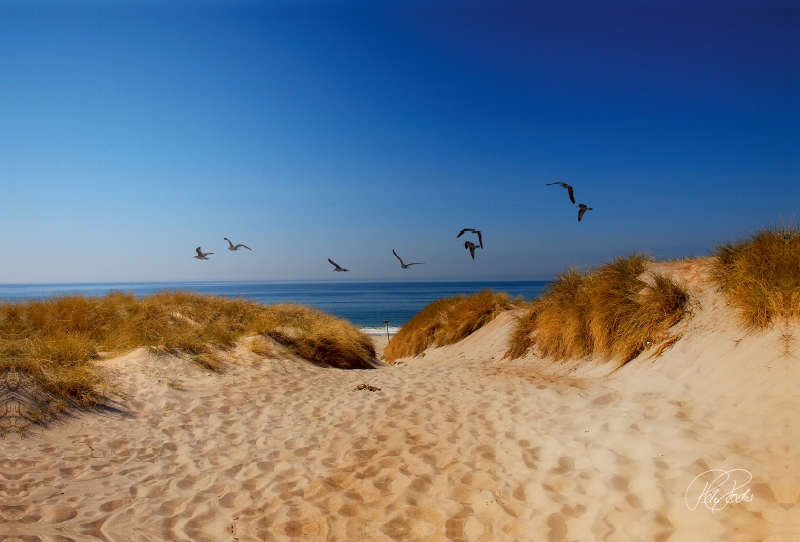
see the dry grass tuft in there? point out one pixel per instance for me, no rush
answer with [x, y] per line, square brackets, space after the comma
[610, 313]
[49, 348]
[317, 337]
[560, 319]
[760, 276]
[261, 347]
[446, 321]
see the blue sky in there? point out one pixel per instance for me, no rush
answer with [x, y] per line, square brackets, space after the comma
[131, 134]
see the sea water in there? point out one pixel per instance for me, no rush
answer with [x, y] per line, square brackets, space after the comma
[366, 304]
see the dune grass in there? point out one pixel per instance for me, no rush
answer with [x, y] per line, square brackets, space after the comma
[447, 321]
[613, 313]
[316, 336]
[760, 276]
[49, 348]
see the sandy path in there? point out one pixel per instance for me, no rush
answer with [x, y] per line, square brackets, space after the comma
[462, 452]
[380, 341]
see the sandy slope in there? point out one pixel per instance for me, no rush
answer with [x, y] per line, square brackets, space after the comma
[380, 340]
[458, 444]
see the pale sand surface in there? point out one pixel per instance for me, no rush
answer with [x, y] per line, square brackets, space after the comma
[458, 444]
[380, 341]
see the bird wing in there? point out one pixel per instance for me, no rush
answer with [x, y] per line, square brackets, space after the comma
[398, 257]
[462, 232]
[581, 213]
[199, 252]
[472, 251]
[571, 193]
[244, 246]
[480, 238]
[229, 241]
[415, 263]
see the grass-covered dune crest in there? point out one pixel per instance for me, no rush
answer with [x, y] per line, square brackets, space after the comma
[447, 321]
[760, 276]
[614, 312]
[621, 309]
[50, 349]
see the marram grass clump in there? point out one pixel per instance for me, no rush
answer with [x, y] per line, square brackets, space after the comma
[49, 349]
[760, 276]
[614, 313]
[316, 336]
[447, 321]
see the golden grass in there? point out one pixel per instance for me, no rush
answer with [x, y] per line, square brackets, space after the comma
[317, 336]
[446, 321]
[760, 276]
[559, 318]
[49, 348]
[614, 313]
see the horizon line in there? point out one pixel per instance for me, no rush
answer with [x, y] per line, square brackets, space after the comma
[332, 281]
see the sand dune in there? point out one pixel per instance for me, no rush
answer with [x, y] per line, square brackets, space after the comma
[457, 444]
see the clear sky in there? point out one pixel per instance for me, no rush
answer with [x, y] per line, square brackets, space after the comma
[131, 134]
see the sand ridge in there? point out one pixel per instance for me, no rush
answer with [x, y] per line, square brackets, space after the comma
[458, 444]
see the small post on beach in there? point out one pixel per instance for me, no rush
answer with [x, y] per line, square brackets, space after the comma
[386, 323]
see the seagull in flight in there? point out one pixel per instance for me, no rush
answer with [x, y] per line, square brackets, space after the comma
[583, 208]
[232, 247]
[202, 255]
[569, 189]
[405, 265]
[338, 268]
[471, 246]
[473, 230]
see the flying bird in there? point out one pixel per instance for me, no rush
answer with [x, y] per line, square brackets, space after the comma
[583, 208]
[405, 265]
[471, 246]
[202, 255]
[473, 230]
[569, 189]
[232, 247]
[338, 268]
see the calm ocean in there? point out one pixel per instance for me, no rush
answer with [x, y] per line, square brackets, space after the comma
[366, 304]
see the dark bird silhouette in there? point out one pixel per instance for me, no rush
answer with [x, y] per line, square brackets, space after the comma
[569, 189]
[582, 209]
[471, 246]
[473, 230]
[232, 247]
[338, 268]
[202, 255]
[405, 265]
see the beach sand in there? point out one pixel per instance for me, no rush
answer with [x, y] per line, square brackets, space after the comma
[380, 340]
[457, 444]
